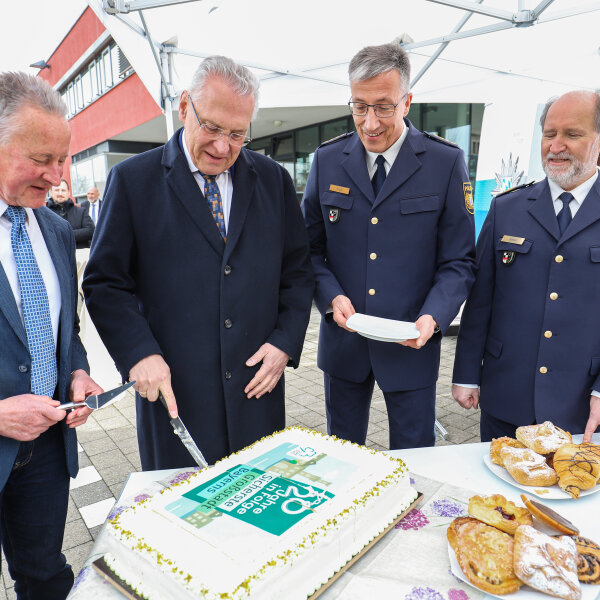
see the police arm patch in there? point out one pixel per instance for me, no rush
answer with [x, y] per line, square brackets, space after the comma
[468, 193]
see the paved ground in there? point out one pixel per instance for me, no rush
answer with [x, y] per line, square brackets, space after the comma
[108, 444]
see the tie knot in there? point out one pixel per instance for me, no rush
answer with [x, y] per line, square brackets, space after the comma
[16, 214]
[566, 198]
[208, 178]
[380, 161]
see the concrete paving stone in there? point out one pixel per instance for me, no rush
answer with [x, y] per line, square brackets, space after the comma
[95, 531]
[88, 494]
[75, 535]
[462, 437]
[127, 411]
[108, 412]
[459, 421]
[84, 460]
[77, 556]
[322, 428]
[134, 459]
[114, 422]
[96, 513]
[128, 446]
[378, 416]
[290, 422]
[89, 432]
[98, 446]
[84, 477]
[122, 433]
[72, 512]
[376, 446]
[311, 419]
[108, 459]
[303, 384]
[382, 438]
[294, 410]
[373, 428]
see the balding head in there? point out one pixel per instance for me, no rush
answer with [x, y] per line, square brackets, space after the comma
[92, 194]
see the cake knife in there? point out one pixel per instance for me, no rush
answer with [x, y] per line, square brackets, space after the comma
[184, 435]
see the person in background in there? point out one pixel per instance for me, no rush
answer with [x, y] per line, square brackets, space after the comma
[529, 336]
[389, 213]
[93, 204]
[42, 360]
[61, 204]
[199, 279]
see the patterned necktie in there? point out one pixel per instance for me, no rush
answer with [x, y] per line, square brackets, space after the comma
[213, 197]
[564, 215]
[379, 176]
[36, 309]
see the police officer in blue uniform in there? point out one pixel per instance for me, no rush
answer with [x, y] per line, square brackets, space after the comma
[389, 215]
[530, 331]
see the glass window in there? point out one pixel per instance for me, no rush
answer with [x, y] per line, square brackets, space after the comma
[414, 115]
[282, 146]
[86, 86]
[99, 168]
[94, 79]
[108, 79]
[307, 141]
[82, 177]
[334, 128]
[114, 55]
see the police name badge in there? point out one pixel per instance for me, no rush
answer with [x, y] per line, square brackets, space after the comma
[334, 215]
[340, 189]
[468, 192]
[508, 257]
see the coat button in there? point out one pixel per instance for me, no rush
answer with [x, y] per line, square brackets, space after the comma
[371, 292]
[227, 374]
[543, 370]
[553, 296]
[558, 258]
[227, 270]
[374, 220]
[547, 334]
[372, 256]
[23, 368]
[228, 323]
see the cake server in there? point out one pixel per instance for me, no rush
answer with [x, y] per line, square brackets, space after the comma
[184, 435]
[98, 400]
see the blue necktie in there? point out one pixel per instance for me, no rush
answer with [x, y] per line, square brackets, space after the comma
[94, 212]
[213, 197]
[379, 176]
[36, 309]
[564, 216]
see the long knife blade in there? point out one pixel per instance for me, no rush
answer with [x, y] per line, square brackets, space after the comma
[184, 435]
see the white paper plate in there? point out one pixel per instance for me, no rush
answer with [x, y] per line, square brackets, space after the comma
[382, 330]
[588, 592]
[552, 492]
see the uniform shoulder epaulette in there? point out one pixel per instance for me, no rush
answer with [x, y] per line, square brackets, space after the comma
[440, 139]
[513, 189]
[336, 139]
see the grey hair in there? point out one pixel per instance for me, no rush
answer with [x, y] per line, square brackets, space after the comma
[552, 100]
[239, 78]
[375, 60]
[18, 89]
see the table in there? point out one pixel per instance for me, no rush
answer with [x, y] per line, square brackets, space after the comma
[459, 468]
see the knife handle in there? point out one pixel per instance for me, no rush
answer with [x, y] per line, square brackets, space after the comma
[163, 401]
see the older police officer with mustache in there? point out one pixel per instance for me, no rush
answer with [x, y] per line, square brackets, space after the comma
[530, 332]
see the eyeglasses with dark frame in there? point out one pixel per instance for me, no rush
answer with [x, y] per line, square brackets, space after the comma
[214, 133]
[383, 111]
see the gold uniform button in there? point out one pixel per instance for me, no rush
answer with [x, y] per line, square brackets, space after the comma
[547, 334]
[558, 258]
[372, 256]
[543, 370]
[371, 292]
[374, 220]
[553, 296]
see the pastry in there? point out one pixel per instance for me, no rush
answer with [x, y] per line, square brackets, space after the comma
[547, 564]
[499, 512]
[499, 443]
[577, 467]
[549, 517]
[588, 567]
[485, 555]
[544, 438]
[527, 467]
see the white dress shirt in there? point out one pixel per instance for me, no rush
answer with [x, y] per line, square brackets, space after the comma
[43, 258]
[389, 155]
[223, 180]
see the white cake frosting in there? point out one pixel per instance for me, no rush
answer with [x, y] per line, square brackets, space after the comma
[275, 520]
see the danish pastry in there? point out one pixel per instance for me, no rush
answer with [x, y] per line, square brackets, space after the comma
[499, 512]
[485, 555]
[499, 443]
[548, 516]
[588, 567]
[547, 564]
[527, 467]
[544, 438]
[577, 467]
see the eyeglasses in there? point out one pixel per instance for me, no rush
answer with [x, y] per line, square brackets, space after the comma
[360, 109]
[214, 133]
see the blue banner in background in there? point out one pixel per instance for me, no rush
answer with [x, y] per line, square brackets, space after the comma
[483, 199]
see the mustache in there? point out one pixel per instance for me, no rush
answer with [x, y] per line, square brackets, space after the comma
[560, 156]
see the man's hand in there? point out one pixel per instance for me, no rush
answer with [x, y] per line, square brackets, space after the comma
[26, 417]
[426, 326]
[82, 386]
[342, 310]
[274, 361]
[467, 397]
[594, 419]
[151, 375]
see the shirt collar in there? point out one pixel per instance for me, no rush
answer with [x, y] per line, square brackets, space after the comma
[4, 206]
[579, 193]
[390, 154]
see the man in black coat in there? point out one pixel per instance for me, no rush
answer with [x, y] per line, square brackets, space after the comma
[78, 218]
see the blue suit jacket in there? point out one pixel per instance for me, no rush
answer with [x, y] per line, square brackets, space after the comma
[15, 361]
[511, 326]
[161, 280]
[424, 242]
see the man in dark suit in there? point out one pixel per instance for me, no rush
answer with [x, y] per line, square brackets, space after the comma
[93, 204]
[389, 216]
[199, 279]
[42, 360]
[530, 331]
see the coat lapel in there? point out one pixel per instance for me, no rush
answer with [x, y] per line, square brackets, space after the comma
[186, 191]
[244, 182]
[542, 209]
[8, 306]
[355, 165]
[588, 213]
